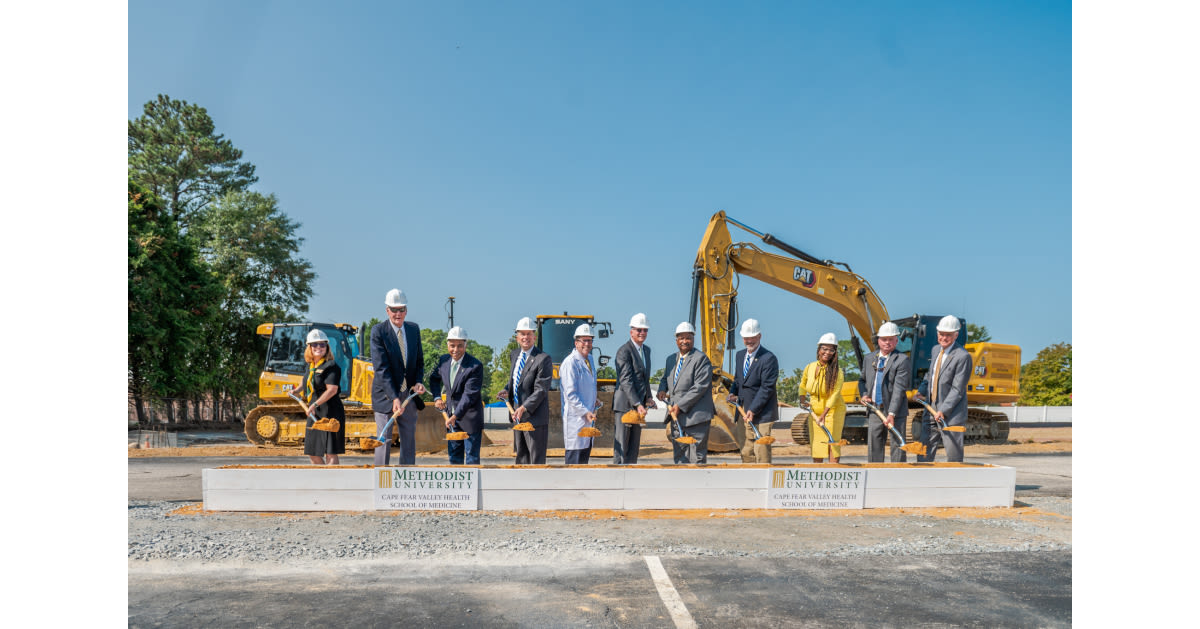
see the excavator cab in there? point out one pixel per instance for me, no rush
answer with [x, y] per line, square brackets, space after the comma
[285, 355]
[918, 340]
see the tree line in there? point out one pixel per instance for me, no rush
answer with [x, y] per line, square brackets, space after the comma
[209, 259]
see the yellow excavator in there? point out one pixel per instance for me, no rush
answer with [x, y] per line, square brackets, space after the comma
[280, 421]
[720, 262]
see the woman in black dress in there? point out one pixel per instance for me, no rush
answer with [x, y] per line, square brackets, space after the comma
[319, 389]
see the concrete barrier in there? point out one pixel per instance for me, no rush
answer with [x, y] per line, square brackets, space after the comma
[305, 488]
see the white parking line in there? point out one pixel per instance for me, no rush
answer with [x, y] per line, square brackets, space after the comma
[670, 598]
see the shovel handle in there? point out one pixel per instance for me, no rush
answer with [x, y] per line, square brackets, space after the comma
[403, 404]
[292, 394]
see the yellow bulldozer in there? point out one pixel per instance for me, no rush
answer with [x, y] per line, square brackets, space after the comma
[720, 262]
[279, 420]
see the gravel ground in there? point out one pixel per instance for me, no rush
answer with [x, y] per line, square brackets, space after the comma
[182, 532]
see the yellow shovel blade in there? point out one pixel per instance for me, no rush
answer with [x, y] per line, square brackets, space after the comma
[685, 439]
[632, 417]
[955, 429]
[588, 431]
[327, 424]
[914, 448]
[766, 441]
[456, 436]
[367, 443]
[523, 427]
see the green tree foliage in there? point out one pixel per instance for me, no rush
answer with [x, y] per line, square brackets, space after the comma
[502, 366]
[1046, 380]
[848, 361]
[171, 300]
[175, 151]
[658, 375]
[367, 325]
[788, 387]
[252, 249]
[607, 371]
[433, 344]
[978, 333]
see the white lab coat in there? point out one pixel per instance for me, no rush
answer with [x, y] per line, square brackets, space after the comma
[578, 388]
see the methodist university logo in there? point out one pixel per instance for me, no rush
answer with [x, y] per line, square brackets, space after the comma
[426, 479]
[417, 488]
[817, 489]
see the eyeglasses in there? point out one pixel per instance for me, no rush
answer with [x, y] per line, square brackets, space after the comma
[400, 309]
[319, 344]
[587, 341]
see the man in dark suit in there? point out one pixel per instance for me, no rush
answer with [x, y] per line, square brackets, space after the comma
[528, 389]
[399, 365]
[633, 390]
[885, 381]
[756, 372]
[462, 375]
[945, 385]
[687, 386]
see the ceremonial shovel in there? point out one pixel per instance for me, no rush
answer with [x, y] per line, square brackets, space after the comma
[913, 448]
[327, 424]
[682, 438]
[828, 435]
[367, 443]
[941, 425]
[591, 431]
[523, 426]
[759, 439]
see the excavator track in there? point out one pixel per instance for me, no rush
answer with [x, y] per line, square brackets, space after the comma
[800, 429]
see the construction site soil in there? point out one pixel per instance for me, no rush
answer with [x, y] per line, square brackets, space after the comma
[655, 447]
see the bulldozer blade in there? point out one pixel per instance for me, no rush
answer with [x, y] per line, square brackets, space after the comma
[327, 424]
[633, 417]
[523, 427]
[367, 443]
[456, 436]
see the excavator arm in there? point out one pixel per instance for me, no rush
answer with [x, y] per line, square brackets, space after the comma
[719, 263]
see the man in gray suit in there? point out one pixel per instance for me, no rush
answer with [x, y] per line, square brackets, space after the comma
[686, 386]
[399, 363]
[945, 386]
[885, 381]
[633, 390]
[529, 390]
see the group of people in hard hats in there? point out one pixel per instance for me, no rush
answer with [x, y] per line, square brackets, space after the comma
[685, 389]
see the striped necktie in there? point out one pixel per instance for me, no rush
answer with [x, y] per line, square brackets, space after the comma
[678, 366]
[517, 380]
[933, 395]
[746, 368]
[879, 379]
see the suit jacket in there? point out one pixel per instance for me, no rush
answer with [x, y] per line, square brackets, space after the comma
[897, 375]
[464, 401]
[389, 373]
[692, 391]
[952, 384]
[756, 390]
[534, 392]
[633, 378]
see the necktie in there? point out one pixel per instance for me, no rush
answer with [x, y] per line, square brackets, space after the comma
[879, 379]
[746, 368]
[936, 368]
[403, 359]
[678, 366]
[587, 363]
[453, 373]
[517, 380]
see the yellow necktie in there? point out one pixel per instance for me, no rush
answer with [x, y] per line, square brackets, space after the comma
[936, 372]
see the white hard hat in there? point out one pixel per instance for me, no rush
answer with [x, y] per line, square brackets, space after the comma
[829, 338]
[316, 336]
[888, 329]
[456, 333]
[639, 321]
[750, 328]
[685, 327]
[584, 330]
[395, 298]
[949, 323]
[526, 324]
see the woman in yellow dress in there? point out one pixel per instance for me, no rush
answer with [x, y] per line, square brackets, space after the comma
[822, 384]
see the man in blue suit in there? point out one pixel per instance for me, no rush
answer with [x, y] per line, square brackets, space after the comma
[399, 366]
[462, 375]
[756, 372]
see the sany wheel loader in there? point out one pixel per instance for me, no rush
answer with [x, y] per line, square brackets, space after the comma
[720, 262]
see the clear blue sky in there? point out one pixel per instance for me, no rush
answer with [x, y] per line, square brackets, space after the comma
[535, 157]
